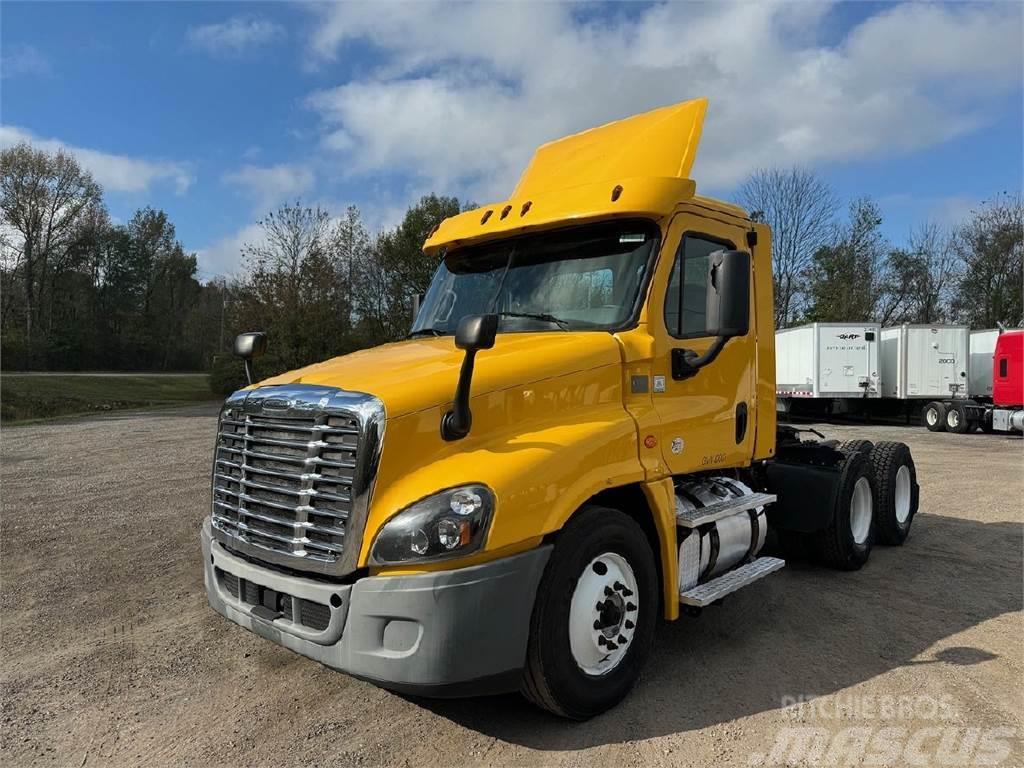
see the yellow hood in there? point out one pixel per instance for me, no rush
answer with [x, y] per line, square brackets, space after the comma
[421, 373]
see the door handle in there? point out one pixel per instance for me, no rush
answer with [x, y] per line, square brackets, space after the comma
[741, 422]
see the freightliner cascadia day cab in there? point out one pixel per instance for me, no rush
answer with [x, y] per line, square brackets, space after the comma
[577, 439]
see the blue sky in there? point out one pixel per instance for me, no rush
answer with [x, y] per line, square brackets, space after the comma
[217, 112]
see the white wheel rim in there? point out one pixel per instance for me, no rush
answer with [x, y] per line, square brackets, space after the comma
[902, 500]
[860, 511]
[931, 416]
[953, 419]
[602, 614]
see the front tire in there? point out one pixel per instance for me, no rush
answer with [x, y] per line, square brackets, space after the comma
[593, 622]
[934, 416]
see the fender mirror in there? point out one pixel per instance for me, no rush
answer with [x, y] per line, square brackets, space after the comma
[474, 332]
[249, 346]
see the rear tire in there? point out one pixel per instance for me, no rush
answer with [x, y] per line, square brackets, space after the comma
[845, 543]
[857, 446]
[957, 420]
[934, 416]
[898, 492]
[565, 672]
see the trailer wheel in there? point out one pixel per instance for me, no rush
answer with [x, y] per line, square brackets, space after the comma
[857, 446]
[846, 541]
[593, 622]
[957, 420]
[898, 492]
[934, 416]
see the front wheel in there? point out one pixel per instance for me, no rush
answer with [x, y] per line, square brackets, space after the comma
[593, 622]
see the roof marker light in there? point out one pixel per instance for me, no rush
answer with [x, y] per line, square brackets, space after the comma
[526, 207]
[616, 192]
[486, 216]
[505, 210]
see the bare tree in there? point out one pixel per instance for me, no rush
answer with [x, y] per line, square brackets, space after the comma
[800, 209]
[990, 246]
[933, 245]
[43, 198]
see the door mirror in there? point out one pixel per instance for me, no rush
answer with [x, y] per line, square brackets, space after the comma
[727, 310]
[728, 303]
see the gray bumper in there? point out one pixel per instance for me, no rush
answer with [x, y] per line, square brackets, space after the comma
[447, 633]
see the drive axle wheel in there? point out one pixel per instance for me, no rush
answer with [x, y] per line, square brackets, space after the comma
[898, 491]
[593, 621]
[934, 415]
[846, 541]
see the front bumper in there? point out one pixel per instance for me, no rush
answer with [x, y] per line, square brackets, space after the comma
[446, 633]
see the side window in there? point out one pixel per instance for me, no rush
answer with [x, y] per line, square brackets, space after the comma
[687, 296]
[1003, 367]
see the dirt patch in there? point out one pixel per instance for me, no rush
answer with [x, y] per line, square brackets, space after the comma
[112, 657]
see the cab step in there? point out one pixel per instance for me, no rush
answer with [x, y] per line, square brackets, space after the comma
[730, 581]
[691, 518]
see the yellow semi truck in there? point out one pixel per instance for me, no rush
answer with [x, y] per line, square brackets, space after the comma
[577, 439]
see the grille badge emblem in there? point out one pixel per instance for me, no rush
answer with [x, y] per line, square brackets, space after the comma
[277, 403]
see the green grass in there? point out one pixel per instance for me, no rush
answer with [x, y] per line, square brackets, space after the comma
[25, 397]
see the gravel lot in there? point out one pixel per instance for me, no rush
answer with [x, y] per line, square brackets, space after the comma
[111, 655]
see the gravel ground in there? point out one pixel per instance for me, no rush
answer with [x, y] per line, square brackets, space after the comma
[111, 655]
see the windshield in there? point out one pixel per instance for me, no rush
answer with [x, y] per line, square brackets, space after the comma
[584, 278]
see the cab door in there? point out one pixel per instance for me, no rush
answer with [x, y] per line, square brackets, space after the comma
[706, 419]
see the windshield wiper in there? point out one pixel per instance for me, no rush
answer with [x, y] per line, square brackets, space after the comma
[426, 332]
[544, 316]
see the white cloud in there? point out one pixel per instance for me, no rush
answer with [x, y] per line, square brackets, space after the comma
[115, 173]
[466, 92]
[224, 255]
[235, 35]
[268, 186]
[24, 60]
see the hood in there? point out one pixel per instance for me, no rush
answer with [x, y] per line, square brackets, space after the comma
[421, 373]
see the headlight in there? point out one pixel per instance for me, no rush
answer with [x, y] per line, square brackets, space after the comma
[448, 524]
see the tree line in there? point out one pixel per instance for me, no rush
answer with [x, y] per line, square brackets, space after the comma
[833, 266]
[81, 292]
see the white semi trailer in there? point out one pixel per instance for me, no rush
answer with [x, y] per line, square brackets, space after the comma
[981, 348]
[826, 368]
[827, 361]
[924, 362]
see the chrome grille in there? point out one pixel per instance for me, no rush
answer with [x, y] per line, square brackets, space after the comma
[290, 477]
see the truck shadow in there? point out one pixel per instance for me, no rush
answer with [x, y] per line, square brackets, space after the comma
[803, 632]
